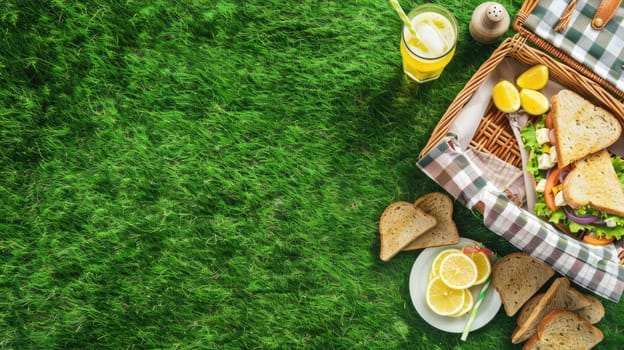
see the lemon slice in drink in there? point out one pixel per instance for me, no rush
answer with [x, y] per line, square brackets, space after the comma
[533, 78]
[442, 299]
[484, 268]
[458, 271]
[534, 102]
[468, 304]
[506, 96]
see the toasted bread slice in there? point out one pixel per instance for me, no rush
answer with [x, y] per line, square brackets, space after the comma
[401, 223]
[553, 299]
[574, 301]
[581, 128]
[517, 277]
[594, 182]
[445, 231]
[594, 312]
[562, 329]
[527, 308]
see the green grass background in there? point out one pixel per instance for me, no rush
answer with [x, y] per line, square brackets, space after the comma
[210, 175]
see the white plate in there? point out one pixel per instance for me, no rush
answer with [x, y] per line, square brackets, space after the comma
[418, 284]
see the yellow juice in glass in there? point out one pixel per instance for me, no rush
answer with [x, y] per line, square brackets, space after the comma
[425, 57]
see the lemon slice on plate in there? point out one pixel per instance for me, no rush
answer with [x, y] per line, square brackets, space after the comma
[468, 304]
[534, 102]
[458, 271]
[484, 267]
[435, 266]
[533, 78]
[506, 97]
[442, 299]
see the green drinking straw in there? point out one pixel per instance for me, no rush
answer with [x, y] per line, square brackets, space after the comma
[406, 21]
[475, 309]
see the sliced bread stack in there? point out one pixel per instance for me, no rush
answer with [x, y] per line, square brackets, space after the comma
[428, 222]
[561, 317]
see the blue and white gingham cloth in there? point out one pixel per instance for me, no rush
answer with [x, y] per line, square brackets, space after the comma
[602, 51]
[594, 268]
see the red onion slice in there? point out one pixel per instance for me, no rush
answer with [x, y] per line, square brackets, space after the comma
[573, 216]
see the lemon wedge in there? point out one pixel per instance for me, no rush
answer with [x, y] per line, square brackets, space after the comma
[506, 96]
[533, 78]
[534, 102]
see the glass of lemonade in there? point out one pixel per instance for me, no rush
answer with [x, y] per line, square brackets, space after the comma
[425, 57]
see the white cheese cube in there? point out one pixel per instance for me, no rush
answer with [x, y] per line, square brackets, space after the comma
[544, 162]
[610, 222]
[559, 201]
[540, 185]
[541, 135]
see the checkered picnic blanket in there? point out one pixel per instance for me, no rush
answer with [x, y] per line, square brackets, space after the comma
[594, 268]
[600, 50]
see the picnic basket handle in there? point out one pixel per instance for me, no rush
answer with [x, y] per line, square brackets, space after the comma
[605, 12]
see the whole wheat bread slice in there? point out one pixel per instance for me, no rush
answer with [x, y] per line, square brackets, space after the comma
[527, 308]
[445, 231]
[594, 182]
[517, 277]
[553, 299]
[581, 128]
[401, 223]
[574, 300]
[562, 329]
[594, 312]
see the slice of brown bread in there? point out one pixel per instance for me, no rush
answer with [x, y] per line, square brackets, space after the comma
[517, 277]
[574, 300]
[581, 128]
[563, 329]
[594, 312]
[594, 182]
[401, 223]
[527, 308]
[553, 299]
[445, 231]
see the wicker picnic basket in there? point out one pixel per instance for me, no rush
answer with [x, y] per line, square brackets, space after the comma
[444, 156]
[494, 135]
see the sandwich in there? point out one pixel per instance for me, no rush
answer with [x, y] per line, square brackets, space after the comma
[579, 184]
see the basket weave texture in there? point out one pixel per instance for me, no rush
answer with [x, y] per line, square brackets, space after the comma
[494, 134]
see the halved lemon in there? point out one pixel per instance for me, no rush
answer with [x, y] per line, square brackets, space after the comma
[484, 268]
[435, 266]
[506, 97]
[534, 102]
[468, 304]
[533, 78]
[442, 299]
[458, 271]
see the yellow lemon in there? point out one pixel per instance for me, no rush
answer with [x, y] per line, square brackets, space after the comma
[533, 78]
[443, 300]
[458, 271]
[506, 97]
[534, 102]
[435, 266]
[468, 304]
[484, 268]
